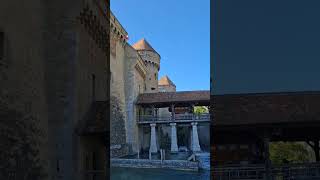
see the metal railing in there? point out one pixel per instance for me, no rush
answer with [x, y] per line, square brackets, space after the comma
[296, 171]
[283, 172]
[240, 172]
[177, 118]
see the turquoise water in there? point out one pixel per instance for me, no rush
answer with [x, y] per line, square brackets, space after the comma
[156, 174]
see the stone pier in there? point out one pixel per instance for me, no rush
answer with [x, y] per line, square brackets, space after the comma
[174, 144]
[195, 146]
[153, 139]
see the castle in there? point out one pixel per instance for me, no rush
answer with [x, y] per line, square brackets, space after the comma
[134, 76]
[57, 62]
[134, 70]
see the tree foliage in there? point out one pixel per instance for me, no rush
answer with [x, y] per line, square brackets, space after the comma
[288, 152]
[200, 109]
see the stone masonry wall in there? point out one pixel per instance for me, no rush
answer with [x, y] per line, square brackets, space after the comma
[118, 131]
[22, 94]
[134, 85]
[39, 75]
[146, 163]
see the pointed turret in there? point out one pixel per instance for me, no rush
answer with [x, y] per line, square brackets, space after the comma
[143, 45]
[166, 85]
[166, 81]
[152, 61]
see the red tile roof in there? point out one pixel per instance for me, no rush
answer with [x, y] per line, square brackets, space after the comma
[166, 81]
[165, 98]
[143, 45]
[266, 108]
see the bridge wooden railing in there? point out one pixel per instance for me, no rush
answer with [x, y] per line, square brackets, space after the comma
[283, 172]
[204, 117]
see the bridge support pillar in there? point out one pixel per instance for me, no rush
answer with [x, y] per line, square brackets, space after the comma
[174, 142]
[195, 146]
[153, 139]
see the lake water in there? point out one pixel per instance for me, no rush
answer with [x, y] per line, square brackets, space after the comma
[157, 174]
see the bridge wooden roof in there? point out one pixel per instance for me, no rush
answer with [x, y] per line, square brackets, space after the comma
[266, 108]
[167, 98]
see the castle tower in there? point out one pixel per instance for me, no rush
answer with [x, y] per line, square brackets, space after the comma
[152, 60]
[166, 85]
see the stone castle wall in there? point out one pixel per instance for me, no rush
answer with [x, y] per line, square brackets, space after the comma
[152, 66]
[118, 125]
[46, 76]
[134, 85]
[22, 93]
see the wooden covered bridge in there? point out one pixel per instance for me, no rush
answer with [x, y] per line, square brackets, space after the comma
[243, 125]
[180, 106]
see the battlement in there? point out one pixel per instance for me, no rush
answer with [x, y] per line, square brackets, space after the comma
[117, 29]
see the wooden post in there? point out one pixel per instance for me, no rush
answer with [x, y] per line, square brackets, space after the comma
[315, 147]
[266, 141]
[193, 114]
[153, 112]
[316, 150]
[172, 112]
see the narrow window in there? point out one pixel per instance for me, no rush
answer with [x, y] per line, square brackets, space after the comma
[94, 161]
[93, 86]
[1, 45]
[153, 88]
[87, 162]
[155, 76]
[58, 165]
[111, 78]
[94, 165]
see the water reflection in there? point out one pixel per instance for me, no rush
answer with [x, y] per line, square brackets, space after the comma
[157, 174]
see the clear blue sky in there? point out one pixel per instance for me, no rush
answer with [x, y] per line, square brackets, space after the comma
[266, 46]
[179, 30]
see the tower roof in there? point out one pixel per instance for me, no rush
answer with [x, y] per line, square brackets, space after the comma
[143, 45]
[165, 81]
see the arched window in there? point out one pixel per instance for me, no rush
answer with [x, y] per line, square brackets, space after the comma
[93, 86]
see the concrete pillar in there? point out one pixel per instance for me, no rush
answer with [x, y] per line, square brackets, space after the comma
[191, 139]
[195, 138]
[153, 139]
[174, 142]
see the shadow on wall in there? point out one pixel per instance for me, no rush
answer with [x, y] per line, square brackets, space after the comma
[20, 139]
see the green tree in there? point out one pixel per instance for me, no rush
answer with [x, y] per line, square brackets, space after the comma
[200, 109]
[291, 152]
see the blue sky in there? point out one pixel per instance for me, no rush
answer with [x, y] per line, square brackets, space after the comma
[266, 46]
[179, 30]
